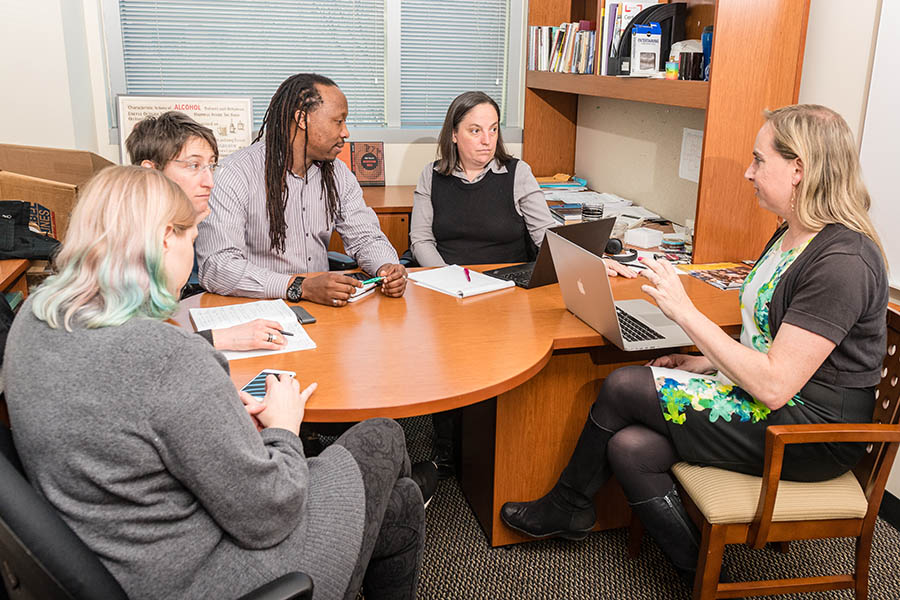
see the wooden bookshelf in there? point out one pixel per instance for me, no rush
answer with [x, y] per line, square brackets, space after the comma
[757, 60]
[690, 94]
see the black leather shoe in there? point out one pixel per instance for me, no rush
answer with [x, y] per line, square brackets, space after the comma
[443, 459]
[425, 474]
[543, 518]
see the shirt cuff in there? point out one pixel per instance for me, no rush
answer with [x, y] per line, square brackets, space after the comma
[277, 285]
[207, 335]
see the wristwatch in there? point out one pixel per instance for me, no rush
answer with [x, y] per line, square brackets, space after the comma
[295, 290]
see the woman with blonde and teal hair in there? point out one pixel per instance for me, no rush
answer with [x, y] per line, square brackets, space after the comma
[813, 336]
[132, 429]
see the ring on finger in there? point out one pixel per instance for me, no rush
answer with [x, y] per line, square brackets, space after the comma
[335, 301]
[271, 338]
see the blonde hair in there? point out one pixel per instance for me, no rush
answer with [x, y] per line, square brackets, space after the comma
[111, 268]
[832, 189]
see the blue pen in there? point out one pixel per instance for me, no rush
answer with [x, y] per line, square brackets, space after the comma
[373, 280]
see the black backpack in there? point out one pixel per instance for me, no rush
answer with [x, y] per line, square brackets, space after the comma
[16, 239]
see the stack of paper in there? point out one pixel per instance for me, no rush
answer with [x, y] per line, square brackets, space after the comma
[457, 281]
[220, 317]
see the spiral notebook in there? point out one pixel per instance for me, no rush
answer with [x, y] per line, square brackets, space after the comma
[452, 280]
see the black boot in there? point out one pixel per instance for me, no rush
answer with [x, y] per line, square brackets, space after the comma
[568, 509]
[443, 442]
[668, 523]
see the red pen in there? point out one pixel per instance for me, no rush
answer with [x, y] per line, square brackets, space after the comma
[468, 278]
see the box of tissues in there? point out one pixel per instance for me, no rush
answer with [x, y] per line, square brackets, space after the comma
[643, 237]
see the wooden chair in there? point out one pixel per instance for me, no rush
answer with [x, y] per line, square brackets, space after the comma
[733, 508]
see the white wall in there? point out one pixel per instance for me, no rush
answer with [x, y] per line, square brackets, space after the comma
[35, 106]
[837, 74]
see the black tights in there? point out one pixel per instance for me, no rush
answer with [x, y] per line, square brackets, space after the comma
[640, 451]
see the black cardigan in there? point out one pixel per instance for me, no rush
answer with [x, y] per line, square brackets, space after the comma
[837, 288]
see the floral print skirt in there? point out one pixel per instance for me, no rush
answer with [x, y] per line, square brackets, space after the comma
[714, 422]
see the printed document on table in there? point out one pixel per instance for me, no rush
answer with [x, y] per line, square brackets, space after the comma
[220, 317]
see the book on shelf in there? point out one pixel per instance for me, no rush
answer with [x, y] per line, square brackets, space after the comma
[366, 161]
[568, 48]
[616, 18]
[725, 276]
[566, 212]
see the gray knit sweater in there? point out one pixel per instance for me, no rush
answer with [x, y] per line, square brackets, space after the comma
[136, 435]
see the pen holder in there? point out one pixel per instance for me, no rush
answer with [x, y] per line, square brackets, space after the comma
[690, 66]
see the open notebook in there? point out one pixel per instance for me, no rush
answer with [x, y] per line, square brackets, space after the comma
[452, 280]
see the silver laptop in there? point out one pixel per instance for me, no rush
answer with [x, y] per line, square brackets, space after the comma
[629, 324]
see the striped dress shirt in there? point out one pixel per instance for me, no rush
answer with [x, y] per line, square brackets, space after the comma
[233, 246]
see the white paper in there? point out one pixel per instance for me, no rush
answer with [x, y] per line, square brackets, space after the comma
[361, 292]
[220, 317]
[691, 149]
[452, 280]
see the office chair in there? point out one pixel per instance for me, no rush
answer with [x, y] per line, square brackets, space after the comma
[408, 260]
[733, 508]
[42, 558]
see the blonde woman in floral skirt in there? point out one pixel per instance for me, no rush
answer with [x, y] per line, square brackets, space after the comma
[813, 336]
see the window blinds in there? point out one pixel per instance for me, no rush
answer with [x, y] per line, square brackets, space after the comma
[448, 48]
[241, 48]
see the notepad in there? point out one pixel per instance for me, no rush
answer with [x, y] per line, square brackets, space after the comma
[361, 292]
[219, 317]
[452, 280]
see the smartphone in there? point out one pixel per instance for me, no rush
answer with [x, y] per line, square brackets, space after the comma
[302, 315]
[360, 275]
[257, 386]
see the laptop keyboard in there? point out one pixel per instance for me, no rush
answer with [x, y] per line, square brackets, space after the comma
[518, 274]
[633, 330]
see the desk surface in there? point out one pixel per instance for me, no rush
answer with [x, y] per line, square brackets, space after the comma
[429, 352]
[389, 198]
[10, 269]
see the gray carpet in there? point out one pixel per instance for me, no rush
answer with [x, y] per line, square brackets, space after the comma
[459, 564]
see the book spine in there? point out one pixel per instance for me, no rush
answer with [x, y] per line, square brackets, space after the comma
[560, 48]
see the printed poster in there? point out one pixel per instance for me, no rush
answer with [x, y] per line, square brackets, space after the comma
[231, 119]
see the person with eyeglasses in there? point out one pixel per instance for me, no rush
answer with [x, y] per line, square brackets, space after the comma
[277, 202]
[187, 153]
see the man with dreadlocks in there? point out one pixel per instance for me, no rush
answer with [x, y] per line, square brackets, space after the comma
[277, 202]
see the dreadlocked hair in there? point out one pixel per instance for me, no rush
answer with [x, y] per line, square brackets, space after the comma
[296, 93]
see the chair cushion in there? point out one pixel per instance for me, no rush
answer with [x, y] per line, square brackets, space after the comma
[728, 497]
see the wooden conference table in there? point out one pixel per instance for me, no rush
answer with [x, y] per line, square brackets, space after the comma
[537, 366]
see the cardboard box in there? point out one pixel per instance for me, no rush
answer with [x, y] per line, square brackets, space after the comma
[47, 176]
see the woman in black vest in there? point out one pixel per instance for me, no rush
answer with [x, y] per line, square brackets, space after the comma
[476, 204]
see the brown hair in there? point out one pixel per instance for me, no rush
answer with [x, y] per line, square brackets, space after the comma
[832, 188]
[448, 157]
[160, 139]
